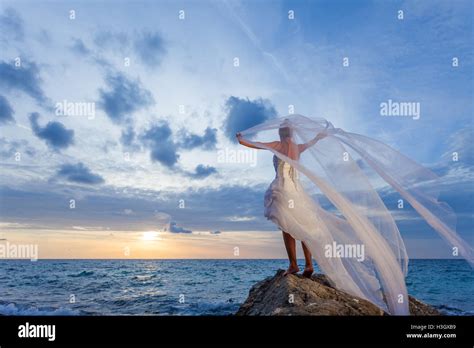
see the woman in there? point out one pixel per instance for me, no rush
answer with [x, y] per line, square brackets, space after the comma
[287, 147]
[342, 166]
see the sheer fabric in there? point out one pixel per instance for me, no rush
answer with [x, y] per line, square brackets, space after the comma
[339, 165]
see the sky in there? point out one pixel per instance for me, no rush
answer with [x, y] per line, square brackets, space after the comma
[117, 119]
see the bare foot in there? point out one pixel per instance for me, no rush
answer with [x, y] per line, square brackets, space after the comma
[308, 271]
[291, 270]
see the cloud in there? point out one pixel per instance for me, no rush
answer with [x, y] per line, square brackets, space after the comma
[115, 41]
[54, 133]
[123, 98]
[202, 172]
[11, 25]
[241, 218]
[25, 78]
[79, 47]
[456, 164]
[44, 37]
[87, 228]
[460, 142]
[43, 205]
[79, 173]
[6, 111]
[127, 138]
[158, 138]
[174, 228]
[244, 113]
[8, 149]
[190, 141]
[150, 48]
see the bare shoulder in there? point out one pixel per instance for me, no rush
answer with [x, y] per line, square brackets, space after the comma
[273, 144]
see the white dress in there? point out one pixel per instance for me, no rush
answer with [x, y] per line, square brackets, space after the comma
[289, 206]
[286, 203]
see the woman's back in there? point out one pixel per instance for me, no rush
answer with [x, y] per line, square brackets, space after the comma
[289, 149]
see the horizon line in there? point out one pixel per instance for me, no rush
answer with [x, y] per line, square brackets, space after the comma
[187, 259]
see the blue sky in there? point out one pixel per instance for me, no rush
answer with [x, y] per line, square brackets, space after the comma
[160, 121]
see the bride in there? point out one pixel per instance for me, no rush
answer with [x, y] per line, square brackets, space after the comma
[347, 168]
[285, 186]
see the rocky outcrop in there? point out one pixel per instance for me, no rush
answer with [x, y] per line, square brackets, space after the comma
[296, 295]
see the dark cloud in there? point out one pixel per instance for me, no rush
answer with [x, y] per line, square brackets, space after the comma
[123, 97]
[202, 172]
[207, 141]
[244, 113]
[54, 133]
[79, 173]
[150, 48]
[206, 208]
[6, 111]
[102, 62]
[79, 47]
[174, 228]
[158, 138]
[25, 78]
[11, 25]
[128, 136]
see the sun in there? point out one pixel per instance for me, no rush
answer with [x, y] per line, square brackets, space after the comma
[149, 236]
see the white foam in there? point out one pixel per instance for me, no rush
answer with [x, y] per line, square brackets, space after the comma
[12, 309]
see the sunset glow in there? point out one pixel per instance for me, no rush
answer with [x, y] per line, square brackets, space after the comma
[150, 236]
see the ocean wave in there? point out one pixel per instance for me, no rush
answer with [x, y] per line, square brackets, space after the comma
[117, 287]
[12, 309]
[144, 277]
[81, 274]
[451, 310]
[208, 308]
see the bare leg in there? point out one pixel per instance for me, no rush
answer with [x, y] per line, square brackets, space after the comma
[308, 267]
[290, 246]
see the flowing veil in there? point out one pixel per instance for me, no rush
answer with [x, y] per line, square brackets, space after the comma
[344, 167]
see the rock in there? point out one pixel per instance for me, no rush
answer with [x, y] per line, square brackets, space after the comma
[296, 295]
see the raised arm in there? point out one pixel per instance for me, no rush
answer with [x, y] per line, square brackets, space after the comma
[273, 144]
[304, 147]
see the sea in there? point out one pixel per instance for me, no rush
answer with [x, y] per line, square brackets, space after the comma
[186, 287]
